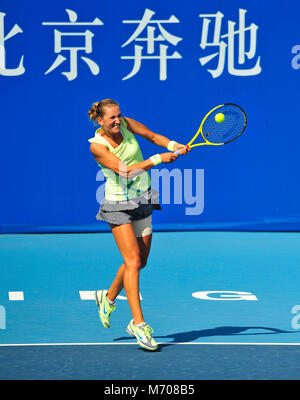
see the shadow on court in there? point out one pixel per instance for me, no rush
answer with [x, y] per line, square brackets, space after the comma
[190, 336]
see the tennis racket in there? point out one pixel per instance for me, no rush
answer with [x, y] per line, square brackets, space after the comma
[222, 125]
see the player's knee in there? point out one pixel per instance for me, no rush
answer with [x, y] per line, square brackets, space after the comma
[134, 263]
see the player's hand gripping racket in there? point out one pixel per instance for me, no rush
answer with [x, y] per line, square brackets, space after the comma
[221, 125]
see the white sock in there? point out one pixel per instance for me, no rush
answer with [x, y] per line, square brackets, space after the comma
[140, 325]
[112, 303]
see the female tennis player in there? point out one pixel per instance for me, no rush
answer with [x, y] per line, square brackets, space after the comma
[128, 205]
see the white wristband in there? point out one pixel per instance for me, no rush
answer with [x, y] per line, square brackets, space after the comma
[156, 159]
[171, 145]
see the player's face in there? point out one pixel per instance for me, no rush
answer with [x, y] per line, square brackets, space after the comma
[111, 121]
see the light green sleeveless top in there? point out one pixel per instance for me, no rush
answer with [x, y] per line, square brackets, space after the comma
[118, 188]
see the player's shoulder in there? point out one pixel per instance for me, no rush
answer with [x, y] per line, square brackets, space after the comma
[98, 148]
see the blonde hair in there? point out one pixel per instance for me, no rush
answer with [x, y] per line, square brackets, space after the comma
[97, 109]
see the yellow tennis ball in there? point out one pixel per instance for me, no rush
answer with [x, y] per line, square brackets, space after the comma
[219, 117]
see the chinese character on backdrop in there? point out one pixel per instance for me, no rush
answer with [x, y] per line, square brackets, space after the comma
[14, 31]
[238, 45]
[145, 47]
[73, 50]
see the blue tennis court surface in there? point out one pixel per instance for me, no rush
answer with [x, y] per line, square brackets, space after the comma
[223, 305]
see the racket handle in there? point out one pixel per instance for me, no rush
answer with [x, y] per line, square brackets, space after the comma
[178, 151]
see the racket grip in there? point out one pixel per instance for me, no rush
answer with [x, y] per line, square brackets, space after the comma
[178, 151]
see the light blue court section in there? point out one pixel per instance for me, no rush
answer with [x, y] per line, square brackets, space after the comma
[51, 270]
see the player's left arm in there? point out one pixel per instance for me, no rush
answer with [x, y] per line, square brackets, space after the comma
[155, 138]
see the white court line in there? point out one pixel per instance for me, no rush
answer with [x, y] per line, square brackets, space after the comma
[170, 343]
[16, 296]
[90, 295]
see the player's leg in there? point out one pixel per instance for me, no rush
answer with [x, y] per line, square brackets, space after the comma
[117, 285]
[129, 247]
[135, 251]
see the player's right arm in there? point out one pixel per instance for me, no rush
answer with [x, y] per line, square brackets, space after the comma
[109, 160]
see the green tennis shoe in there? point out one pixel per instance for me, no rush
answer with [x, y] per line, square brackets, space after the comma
[143, 334]
[104, 307]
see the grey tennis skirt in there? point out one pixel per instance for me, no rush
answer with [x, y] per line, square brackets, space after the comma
[127, 211]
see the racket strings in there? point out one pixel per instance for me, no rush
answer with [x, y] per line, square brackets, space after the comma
[230, 128]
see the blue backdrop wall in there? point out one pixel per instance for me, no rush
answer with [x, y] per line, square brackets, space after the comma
[167, 63]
